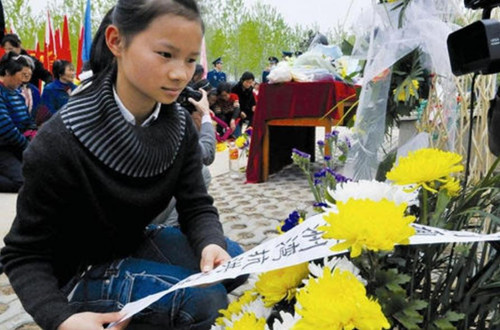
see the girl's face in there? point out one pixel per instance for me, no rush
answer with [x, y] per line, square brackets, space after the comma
[157, 63]
[69, 74]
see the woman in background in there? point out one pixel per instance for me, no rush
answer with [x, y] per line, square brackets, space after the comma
[16, 126]
[56, 94]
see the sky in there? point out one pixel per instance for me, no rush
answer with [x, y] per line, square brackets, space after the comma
[328, 14]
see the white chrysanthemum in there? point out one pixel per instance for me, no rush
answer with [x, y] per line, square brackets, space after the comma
[288, 322]
[258, 308]
[375, 191]
[341, 263]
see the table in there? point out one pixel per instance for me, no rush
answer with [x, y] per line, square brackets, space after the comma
[296, 104]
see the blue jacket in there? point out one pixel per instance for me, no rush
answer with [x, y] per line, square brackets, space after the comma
[14, 119]
[54, 96]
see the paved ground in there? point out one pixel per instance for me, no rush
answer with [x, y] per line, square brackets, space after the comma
[249, 212]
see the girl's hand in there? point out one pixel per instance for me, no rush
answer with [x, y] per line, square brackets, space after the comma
[212, 256]
[201, 105]
[91, 321]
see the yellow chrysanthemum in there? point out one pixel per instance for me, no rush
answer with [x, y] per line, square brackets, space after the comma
[235, 307]
[279, 284]
[412, 88]
[366, 224]
[424, 166]
[452, 187]
[240, 141]
[248, 322]
[337, 301]
[221, 146]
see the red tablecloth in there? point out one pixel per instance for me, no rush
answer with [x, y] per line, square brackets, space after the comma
[290, 100]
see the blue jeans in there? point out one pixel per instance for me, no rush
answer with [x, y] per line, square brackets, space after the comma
[164, 259]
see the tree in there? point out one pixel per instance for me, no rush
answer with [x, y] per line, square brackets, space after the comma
[246, 37]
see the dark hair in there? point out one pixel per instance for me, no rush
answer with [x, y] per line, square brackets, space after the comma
[131, 17]
[13, 39]
[59, 67]
[224, 86]
[247, 76]
[12, 63]
[212, 92]
[199, 70]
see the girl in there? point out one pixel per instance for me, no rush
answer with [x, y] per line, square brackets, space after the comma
[103, 167]
[56, 94]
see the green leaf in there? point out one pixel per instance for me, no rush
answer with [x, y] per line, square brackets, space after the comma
[454, 316]
[409, 322]
[443, 324]
[442, 202]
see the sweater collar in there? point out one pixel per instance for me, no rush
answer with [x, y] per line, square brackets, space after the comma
[95, 120]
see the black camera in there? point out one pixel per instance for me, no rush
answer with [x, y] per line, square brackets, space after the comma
[476, 48]
[187, 93]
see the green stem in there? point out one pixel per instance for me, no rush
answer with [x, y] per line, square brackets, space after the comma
[425, 207]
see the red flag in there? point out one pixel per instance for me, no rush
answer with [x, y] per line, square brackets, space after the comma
[49, 47]
[65, 53]
[79, 61]
[57, 39]
[38, 53]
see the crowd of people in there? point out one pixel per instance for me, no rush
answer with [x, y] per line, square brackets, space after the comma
[232, 103]
[23, 109]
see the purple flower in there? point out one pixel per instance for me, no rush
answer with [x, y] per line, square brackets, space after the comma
[320, 204]
[317, 182]
[338, 177]
[327, 158]
[300, 153]
[320, 174]
[291, 221]
[321, 143]
[331, 135]
[249, 131]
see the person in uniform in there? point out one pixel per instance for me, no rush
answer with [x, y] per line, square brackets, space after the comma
[216, 75]
[273, 61]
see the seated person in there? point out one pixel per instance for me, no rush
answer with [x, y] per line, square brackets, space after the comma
[56, 94]
[16, 126]
[30, 92]
[244, 90]
[227, 108]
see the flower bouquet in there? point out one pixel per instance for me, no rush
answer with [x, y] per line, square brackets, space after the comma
[377, 280]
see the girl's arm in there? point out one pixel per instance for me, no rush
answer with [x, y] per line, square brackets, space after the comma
[28, 252]
[198, 217]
